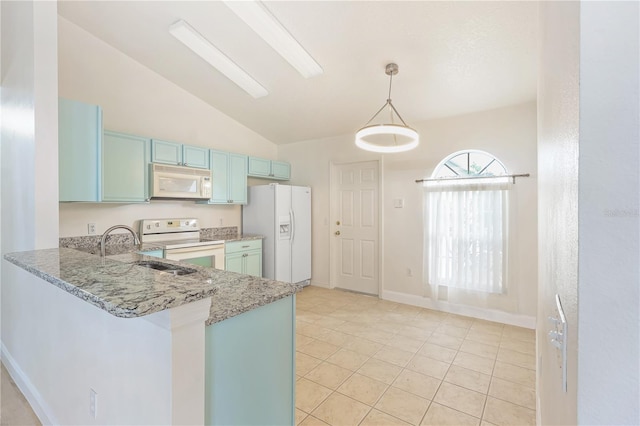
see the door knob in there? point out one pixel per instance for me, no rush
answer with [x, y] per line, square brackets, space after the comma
[337, 232]
[338, 223]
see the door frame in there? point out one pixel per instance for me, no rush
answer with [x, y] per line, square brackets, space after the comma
[333, 166]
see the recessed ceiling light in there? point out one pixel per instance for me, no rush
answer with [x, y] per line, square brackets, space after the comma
[207, 51]
[260, 20]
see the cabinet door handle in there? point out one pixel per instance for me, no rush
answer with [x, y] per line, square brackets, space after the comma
[185, 164]
[245, 254]
[245, 246]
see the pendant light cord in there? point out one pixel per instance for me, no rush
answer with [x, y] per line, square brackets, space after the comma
[392, 108]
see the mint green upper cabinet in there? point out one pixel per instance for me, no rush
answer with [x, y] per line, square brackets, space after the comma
[166, 152]
[178, 154]
[125, 160]
[269, 169]
[79, 145]
[238, 178]
[220, 177]
[195, 156]
[259, 167]
[229, 175]
[280, 170]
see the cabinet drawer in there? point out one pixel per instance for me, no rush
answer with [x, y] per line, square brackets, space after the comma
[237, 246]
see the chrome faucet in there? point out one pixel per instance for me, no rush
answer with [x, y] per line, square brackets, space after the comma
[106, 233]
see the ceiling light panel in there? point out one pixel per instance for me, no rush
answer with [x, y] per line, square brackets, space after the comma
[207, 51]
[260, 20]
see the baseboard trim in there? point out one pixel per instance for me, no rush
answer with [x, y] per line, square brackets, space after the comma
[31, 394]
[319, 284]
[480, 313]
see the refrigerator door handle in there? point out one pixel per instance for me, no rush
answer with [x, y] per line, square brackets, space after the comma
[293, 225]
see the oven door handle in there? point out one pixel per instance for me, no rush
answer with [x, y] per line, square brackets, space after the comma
[195, 248]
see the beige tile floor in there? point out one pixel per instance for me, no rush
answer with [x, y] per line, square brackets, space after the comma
[364, 361]
[361, 360]
[14, 408]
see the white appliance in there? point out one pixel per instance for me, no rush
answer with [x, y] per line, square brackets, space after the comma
[282, 213]
[170, 182]
[180, 239]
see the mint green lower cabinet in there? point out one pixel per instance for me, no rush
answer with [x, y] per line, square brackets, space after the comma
[125, 160]
[233, 262]
[244, 257]
[79, 146]
[253, 263]
[250, 367]
[153, 253]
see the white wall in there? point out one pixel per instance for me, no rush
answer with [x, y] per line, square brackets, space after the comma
[609, 218]
[137, 100]
[558, 114]
[55, 346]
[58, 347]
[589, 201]
[508, 133]
[28, 85]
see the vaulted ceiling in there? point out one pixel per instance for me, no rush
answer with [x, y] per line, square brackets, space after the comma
[455, 57]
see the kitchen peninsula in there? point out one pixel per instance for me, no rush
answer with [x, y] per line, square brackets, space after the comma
[216, 347]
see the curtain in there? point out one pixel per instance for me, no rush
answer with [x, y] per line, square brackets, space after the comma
[466, 235]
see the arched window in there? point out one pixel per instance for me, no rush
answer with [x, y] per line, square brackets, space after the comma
[466, 239]
[469, 164]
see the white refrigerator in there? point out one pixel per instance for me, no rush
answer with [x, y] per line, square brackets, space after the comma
[282, 213]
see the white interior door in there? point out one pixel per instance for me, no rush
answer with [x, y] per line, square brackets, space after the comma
[355, 227]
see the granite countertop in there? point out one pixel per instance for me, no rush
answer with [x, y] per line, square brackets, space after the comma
[123, 243]
[242, 237]
[126, 290]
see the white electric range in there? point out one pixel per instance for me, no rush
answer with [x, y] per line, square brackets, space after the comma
[180, 239]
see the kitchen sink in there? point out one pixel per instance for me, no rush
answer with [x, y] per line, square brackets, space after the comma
[165, 267]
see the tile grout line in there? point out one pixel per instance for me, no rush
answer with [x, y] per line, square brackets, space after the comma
[364, 318]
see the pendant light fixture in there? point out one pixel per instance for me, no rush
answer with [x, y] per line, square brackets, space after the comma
[387, 137]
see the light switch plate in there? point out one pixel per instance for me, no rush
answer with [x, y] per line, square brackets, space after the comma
[398, 203]
[558, 338]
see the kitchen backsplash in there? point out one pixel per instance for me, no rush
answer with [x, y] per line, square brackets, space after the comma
[90, 241]
[226, 231]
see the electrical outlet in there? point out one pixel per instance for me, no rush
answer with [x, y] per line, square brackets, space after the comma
[91, 228]
[93, 403]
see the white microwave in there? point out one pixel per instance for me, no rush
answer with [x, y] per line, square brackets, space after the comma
[175, 182]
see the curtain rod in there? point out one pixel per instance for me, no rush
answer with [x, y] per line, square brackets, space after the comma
[472, 178]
